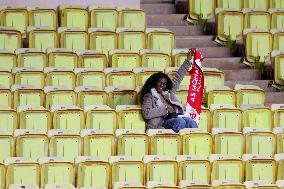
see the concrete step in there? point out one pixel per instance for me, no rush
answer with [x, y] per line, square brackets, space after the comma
[215, 52]
[263, 84]
[242, 74]
[274, 97]
[165, 20]
[230, 63]
[195, 41]
[183, 30]
[166, 8]
[156, 1]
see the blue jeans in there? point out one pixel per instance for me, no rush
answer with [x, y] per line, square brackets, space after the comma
[179, 123]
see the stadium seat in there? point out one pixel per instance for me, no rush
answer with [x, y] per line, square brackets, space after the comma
[258, 46]
[27, 95]
[42, 38]
[73, 16]
[29, 57]
[161, 169]
[213, 77]
[220, 95]
[249, 94]
[21, 170]
[187, 184]
[120, 77]
[6, 79]
[278, 37]
[182, 93]
[178, 56]
[259, 167]
[260, 185]
[130, 117]
[64, 144]
[56, 170]
[276, 4]
[7, 146]
[29, 76]
[15, 17]
[131, 39]
[205, 120]
[228, 142]
[68, 118]
[201, 10]
[257, 116]
[2, 173]
[90, 96]
[132, 18]
[161, 185]
[90, 77]
[227, 185]
[143, 73]
[102, 40]
[10, 38]
[227, 4]
[277, 58]
[280, 163]
[164, 142]
[160, 39]
[193, 168]
[59, 96]
[132, 143]
[101, 118]
[126, 169]
[8, 60]
[278, 115]
[5, 97]
[121, 96]
[98, 143]
[226, 168]
[31, 144]
[59, 77]
[120, 58]
[92, 172]
[262, 4]
[103, 17]
[127, 185]
[30, 116]
[226, 116]
[171, 71]
[9, 120]
[277, 18]
[196, 143]
[92, 59]
[154, 59]
[41, 16]
[230, 24]
[256, 19]
[73, 38]
[62, 58]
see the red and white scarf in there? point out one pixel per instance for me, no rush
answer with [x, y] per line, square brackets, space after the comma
[196, 87]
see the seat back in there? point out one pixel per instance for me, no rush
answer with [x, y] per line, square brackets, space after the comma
[2, 175]
[74, 17]
[91, 79]
[8, 60]
[227, 118]
[133, 40]
[216, 96]
[10, 39]
[60, 97]
[120, 78]
[35, 78]
[205, 120]
[278, 39]
[257, 20]
[92, 97]
[74, 39]
[62, 58]
[121, 96]
[31, 58]
[250, 96]
[43, 17]
[262, 4]
[124, 59]
[28, 97]
[213, 77]
[132, 18]
[199, 9]
[238, 4]
[5, 97]
[155, 59]
[92, 59]
[258, 117]
[6, 79]
[104, 18]
[15, 17]
[9, 120]
[60, 78]
[7, 147]
[278, 64]
[277, 20]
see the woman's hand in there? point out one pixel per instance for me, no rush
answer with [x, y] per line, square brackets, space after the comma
[170, 109]
[189, 55]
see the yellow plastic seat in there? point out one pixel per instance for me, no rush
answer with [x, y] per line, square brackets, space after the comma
[42, 38]
[120, 77]
[132, 143]
[193, 168]
[277, 58]
[90, 77]
[249, 94]
[278, 115]
[120, 58]
[98, 143]
[178, 56]
[213, 77]
[10, 38]
[258, 46]
[230, 25]
[257, 116]
[15, 17]
[277, 18]
[161, 169]
[276, 4]
[64, 144]
[9, 120]
[59, 77]
[131, 39]
[62, 58]
[196, 143]
[92, 59]
[259, 168]
[56, 170]
[6, 97]
[7, 146]
[227, 185]
[262, 4]
[31, 144]
[142, 74]
[8, 60]
[103, 17]
[102, 40]
[73, 16]
[278, 39]
[29, 57]
[161, 185]
[101, 118]
[132, 18]
[59, 96]
[2, 177]
[90, 96]
[125, 169]
[73, 38]
[201, 10]
[257, 19]
[280, 163]
[171, 71]
[260, 185]
[220, 95]
[29, 76]
[160, 39]
[205, 120]
[30, 116]
[154, 59]
[127, 185]
[237, 4]
[68, 118]
[121, 96]
[92, 172]
[6, 79]
[279, 135]
[187, 184]
[40, 16]
[182, 93]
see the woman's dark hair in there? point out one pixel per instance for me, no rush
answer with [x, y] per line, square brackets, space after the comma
[152, 82]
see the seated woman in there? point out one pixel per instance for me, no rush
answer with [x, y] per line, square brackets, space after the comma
[160, 106]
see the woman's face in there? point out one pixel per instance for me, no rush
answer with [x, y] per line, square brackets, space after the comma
[161, 85]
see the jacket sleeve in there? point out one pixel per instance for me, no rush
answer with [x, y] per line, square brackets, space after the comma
[149, 112]
[183, 69]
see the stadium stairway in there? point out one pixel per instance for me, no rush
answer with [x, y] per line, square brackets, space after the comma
[162, 13]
